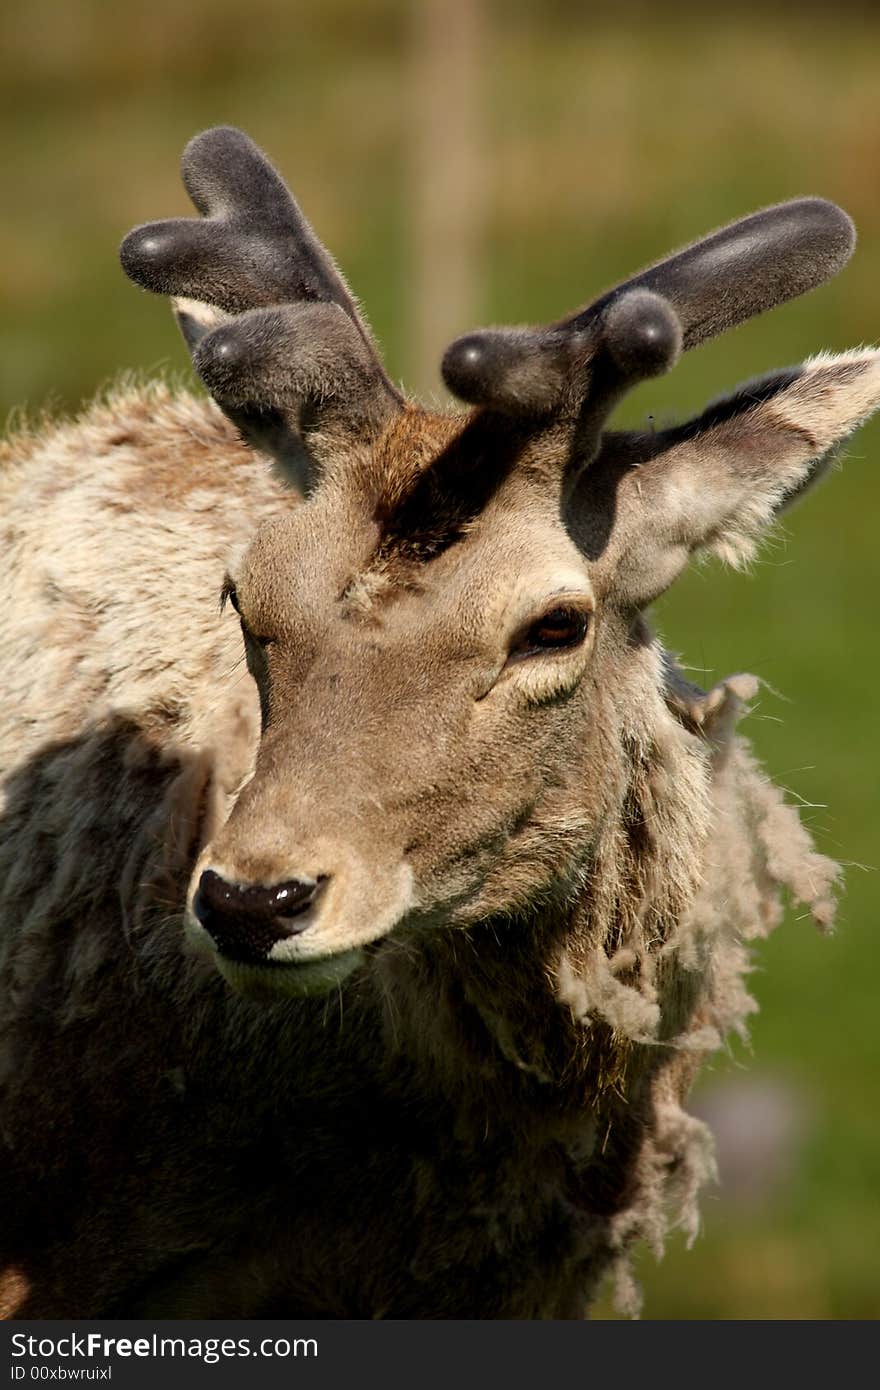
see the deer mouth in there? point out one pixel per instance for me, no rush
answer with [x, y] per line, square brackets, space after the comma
[270, 980]
[266, 977]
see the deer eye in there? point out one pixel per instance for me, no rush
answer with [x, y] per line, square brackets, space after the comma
[229, 594]
[558, 629]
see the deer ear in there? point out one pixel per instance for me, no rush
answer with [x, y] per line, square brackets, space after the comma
[717, 482]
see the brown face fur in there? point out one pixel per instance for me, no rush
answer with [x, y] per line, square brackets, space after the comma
[418, 750]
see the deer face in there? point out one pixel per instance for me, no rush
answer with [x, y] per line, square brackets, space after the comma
[427, 722]
[446, 634]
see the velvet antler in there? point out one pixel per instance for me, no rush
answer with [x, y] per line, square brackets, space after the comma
[274, 332]
[636, 330]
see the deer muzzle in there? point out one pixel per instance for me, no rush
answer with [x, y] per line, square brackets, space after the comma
[248, 923]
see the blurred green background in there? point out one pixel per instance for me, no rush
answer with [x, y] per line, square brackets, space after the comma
[471, 162]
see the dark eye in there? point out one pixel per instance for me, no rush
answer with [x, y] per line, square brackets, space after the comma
[556, 630]
[228, 594]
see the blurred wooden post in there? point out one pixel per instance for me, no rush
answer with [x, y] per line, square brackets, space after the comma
[447, 184]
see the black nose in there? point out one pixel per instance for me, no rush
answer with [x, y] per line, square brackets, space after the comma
[246, 923]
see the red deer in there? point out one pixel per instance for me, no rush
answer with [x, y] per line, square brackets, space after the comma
[370, 981]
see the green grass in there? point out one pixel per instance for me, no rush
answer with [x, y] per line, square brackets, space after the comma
[606, 144]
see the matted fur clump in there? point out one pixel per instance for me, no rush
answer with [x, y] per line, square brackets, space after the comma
[372, 882]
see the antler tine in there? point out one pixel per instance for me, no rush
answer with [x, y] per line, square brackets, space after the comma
[252, 246]
[250, 281]
[528, 371]
[282, 372]
[745, 268]
[582, 371]
[712, 285]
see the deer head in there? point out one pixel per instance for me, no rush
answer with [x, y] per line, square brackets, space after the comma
[447, 636]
